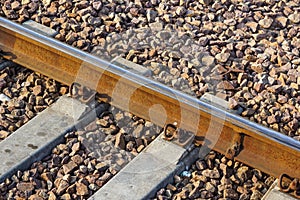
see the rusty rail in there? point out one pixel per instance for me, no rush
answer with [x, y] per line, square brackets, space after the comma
[248, 142]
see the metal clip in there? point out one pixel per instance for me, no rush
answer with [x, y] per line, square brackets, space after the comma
[82, 93]
[179, 137]
[170, 132]
[290, 185]
[235, 147]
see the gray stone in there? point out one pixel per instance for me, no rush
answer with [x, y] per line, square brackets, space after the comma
[150, 170]
[30, 140]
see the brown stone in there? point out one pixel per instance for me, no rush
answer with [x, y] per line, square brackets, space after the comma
[81, 189]
[101, 166]
[71, 189]
[282, 21]
[256, 195]
[226, 85]
[295, 86]
[171, 187]
[266, 22]
[76, 147]
[258, 86]
[39, 101]
[258, 68]
[47, 176]
[211, 173]
[66, 197]
[140, 148]
[252, 25]
[52, 196]
[120, 141]
[294, 124]
[294, 18]
[223, 57]
[25, 187]
[25, 2]
[77, 159]
[102, 122]
[67, 168]
[37, 90]
[180, 10]
[210, 187]
[275, 88]
[63, 185]
[271, 119]
[248, 112]
[137, 132]
[206, 2]
[201, 165]
[282, 99]
[35, 197]
[97, 5]
[230, 193]
[3, 134]
[243, 173]
[15, 5]
[121, 162]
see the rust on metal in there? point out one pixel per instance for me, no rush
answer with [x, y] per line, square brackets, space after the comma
[235, 147]
[82, 93]
[176, 136]
[289, 185]
[263, 148]
[170, 132]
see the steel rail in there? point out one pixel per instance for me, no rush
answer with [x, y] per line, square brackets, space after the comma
[260, 147]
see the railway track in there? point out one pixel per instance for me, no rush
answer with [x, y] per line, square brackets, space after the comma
[213, 126]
